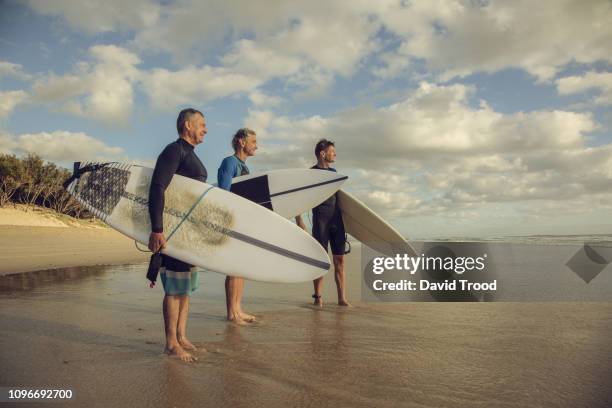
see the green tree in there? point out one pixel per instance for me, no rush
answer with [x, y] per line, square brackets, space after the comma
[11, 173]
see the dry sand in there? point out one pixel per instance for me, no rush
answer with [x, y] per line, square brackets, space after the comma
[23, 215]
[36, 248]
[41, 239]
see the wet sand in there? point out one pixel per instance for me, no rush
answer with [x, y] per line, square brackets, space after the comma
[98, 331]
[28, 248]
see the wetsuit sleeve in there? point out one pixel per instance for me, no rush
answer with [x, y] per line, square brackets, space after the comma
[167, 164]
[226, 172]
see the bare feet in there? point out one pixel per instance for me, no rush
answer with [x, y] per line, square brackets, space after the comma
[236, 319]
[178, 352]
[186, 344]
[247, 317]
[343, 302]
[318, 302]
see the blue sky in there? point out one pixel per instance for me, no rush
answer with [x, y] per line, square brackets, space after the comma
[452, 118]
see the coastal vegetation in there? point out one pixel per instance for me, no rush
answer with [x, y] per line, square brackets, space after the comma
[32, 182]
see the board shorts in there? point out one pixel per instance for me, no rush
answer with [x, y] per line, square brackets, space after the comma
[180, 283]
[329, 232]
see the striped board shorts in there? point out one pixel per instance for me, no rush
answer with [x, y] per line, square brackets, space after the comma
[179, 283]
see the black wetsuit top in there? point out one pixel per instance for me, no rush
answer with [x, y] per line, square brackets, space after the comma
[327, 223]
[327, 209]
[177, 158]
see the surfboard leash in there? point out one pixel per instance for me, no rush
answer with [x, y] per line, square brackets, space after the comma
[156, 259]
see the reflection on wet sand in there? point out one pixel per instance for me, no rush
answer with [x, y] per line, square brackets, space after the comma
[99, 332]
[32, 280]
[176, 386]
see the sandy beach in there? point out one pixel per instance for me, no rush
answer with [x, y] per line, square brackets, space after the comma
[77, 314]
[39, 239]
[97, 331]
[37, 248]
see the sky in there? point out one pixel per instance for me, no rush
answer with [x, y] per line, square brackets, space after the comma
[451, 118]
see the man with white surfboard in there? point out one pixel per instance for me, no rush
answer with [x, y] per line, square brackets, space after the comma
[328, 226]
[179, 278]
[244, 143]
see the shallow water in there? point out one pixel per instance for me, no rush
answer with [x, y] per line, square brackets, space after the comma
[98, 331]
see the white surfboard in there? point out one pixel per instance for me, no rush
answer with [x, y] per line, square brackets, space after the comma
[369, 228]
[288, 192]
[204, 225]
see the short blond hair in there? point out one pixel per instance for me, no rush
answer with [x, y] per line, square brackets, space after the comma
[241, 134]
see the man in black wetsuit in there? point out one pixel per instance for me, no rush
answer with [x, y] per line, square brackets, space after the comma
[179, 278]
[327, 226]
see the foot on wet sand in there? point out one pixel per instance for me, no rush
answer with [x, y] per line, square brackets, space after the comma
[247, 317]
[186, 344]
[236, 319]
[318, 302]
[180, 353]
[344, 303]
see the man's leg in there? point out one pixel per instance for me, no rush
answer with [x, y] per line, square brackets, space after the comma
[234, 287]
[231, 300]
[318, 284]
[171, 308]
[181, 328]
[340, 279]
[240, 290]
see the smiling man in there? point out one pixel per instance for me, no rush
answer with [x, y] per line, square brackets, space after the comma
[244, 143]
[179, 278]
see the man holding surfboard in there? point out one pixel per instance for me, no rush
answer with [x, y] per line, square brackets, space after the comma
[328, 226]
[179, 278]
[244, 143]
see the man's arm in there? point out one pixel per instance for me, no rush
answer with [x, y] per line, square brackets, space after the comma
[167, 164]
[226, 172]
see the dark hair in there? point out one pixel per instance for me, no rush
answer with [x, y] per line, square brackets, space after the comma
[184, 116]
[322, 145]
[241, 134]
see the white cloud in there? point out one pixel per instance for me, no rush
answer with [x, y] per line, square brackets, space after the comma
[335, 34]
[167, 89]
[435, 153]
[8, 144]
[261, 99]
[333, 38]
[102, 89]
[600, 81]
[8, 69]
[434, 121]
[99, 17]
[334, 42]
[256, 59]
[460, 37]
[278, 156]
[9, 100]
[245, 68]
[61, 146]
[188, 29]
[306, 50]
[550, 183]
